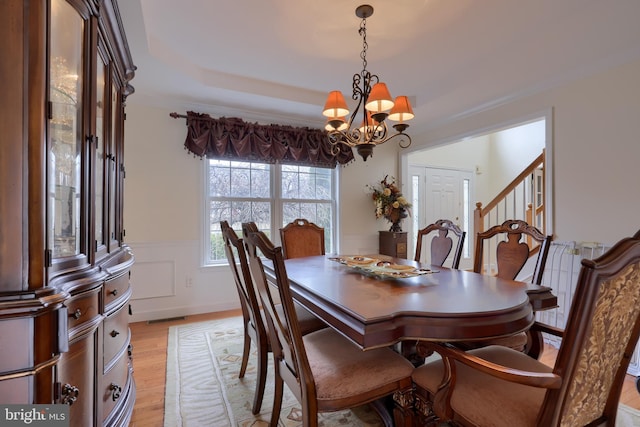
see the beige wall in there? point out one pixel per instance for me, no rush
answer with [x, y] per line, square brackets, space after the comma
[596, 149]
[162, 187]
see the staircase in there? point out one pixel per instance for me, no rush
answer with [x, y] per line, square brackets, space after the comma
[523, 198]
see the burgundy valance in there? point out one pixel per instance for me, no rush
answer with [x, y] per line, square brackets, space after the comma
[234, 139]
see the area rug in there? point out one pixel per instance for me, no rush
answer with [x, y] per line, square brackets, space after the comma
[203, 388]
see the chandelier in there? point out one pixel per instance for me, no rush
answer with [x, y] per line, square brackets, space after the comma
[377, 105]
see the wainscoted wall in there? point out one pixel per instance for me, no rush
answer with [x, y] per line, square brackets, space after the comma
[168, 281]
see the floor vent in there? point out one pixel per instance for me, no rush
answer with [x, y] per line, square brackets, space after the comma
[168, 319]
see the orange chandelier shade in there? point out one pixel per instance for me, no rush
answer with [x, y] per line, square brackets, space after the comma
[379, 99]
[401, 111]
[335, 105]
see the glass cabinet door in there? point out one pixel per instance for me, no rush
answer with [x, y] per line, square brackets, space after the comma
[65, 129]
[114, 172]
[100, 154]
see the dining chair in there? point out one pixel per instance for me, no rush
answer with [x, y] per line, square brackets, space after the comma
[515, 242]
[513, 251]
[441, 243]
[253, 317]
[301, 238]
[498, 386]
[324, 370]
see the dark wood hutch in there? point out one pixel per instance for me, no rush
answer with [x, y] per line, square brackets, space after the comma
[64, 267]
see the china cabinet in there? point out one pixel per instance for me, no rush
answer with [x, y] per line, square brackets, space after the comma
[64, 266]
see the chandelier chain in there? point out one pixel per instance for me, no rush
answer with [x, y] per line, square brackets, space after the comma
[363, 32]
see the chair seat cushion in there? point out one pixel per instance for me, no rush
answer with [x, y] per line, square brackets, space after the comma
[343, 371]
[481, 399]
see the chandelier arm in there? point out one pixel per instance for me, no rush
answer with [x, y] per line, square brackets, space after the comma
[400, 143]
[340, 137]
[357, 95]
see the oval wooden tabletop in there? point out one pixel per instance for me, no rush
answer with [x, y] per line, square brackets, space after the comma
[446, 305]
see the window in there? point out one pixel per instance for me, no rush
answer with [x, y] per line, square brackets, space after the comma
[269, 195]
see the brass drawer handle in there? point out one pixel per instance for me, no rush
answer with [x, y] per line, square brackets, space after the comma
[116, 390]
[76, 314]
[114, 333]
[69, 394]
[114, 292]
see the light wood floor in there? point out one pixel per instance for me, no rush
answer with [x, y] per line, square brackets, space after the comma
[150, 358]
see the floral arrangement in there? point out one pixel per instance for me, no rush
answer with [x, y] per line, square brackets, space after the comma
[389, 202]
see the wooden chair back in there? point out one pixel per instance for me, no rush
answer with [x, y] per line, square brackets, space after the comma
[254, 326]
[301, 238]
[286, 337]
[513, 253]
[249, 303]
[441, 243]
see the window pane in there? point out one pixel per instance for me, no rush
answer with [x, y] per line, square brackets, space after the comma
[309, 183]
[466, 219]
[219, 179]
[241, 192]
[290, 185]
[219, 210]
[323, 186]
[240, 182]
[260, 182]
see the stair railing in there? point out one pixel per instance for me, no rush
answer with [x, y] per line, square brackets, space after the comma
[523, 198]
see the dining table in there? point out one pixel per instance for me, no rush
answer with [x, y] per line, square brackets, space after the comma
[378, 301]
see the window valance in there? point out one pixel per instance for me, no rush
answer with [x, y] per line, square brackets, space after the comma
[233, 138]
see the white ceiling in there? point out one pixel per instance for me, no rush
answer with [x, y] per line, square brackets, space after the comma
[274, 61]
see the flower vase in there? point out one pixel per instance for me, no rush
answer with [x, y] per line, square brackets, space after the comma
[395, 227]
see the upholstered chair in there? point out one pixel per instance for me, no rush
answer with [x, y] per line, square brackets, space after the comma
[324, 370]
[255, 329]
[515, 241]
[500, 387]
[301, 238]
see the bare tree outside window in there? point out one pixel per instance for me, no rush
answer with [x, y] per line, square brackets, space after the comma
[269, 195]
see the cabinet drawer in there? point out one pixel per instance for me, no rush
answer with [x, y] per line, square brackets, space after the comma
[115, 334]
[82, 308]
[114, 384]
[115, 289]
[76, 373]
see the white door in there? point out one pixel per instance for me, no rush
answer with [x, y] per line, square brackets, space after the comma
[439, 193]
